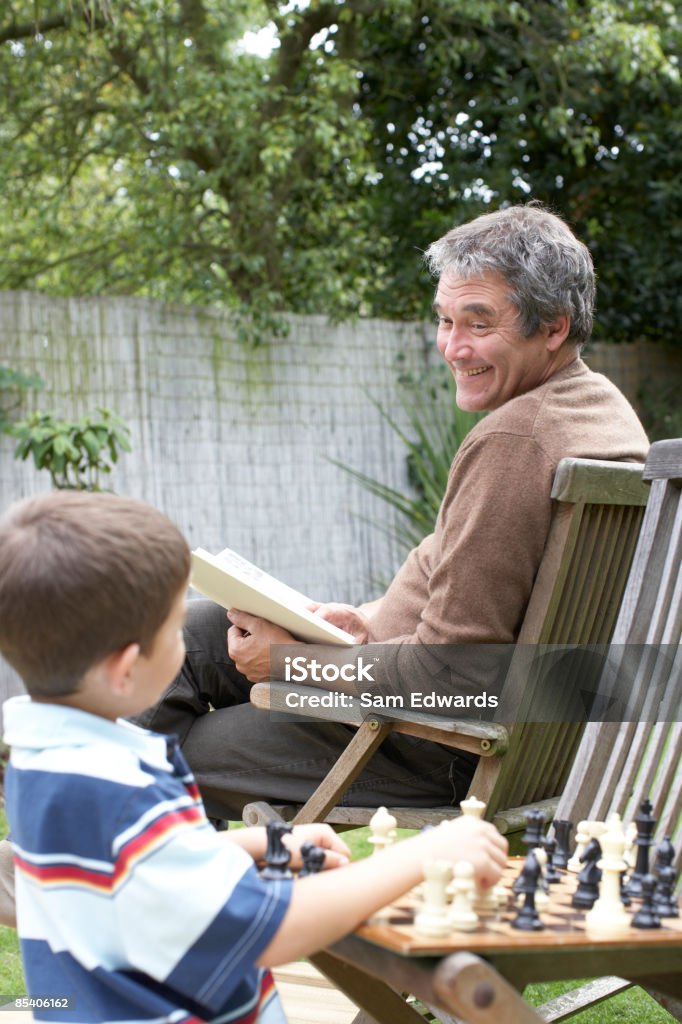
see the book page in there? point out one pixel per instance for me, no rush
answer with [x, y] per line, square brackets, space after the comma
[234, 582]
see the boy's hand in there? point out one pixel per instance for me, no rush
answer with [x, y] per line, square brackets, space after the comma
[471, 839]
[337, 853]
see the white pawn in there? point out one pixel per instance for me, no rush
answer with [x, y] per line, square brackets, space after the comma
[472, 807]
[431, 920]
[608, 913]
[463, 917]
[541, 893]
[582, 838]
[382, 828]
[630, 854]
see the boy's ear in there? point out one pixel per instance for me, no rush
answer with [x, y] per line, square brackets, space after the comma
[119, 666]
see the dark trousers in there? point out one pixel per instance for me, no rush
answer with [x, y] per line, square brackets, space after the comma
[239, 754]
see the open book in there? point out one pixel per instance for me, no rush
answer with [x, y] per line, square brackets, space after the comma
[233, 582]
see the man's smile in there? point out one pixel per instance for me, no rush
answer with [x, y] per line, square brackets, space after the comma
[473, 372]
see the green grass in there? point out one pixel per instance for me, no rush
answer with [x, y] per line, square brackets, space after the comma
[631, 1007]
[11, 975]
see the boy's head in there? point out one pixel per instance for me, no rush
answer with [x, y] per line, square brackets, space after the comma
[83, 576]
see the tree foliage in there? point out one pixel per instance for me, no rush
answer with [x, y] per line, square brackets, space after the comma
[145, 151]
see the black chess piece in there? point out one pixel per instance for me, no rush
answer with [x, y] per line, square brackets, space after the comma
[551, 874]
[643, 841]
[313, 859]
[562, 834]
[587, 893]
[666, 876]
[277, 856]
[647, 916]
[532, 838]
[528, 919]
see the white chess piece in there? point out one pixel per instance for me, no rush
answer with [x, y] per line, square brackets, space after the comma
[472, 807]
[541, 894]
[582, 838]
[382, 829]
[608, 913]
[586, 830]
[463, 917]
[431, 920]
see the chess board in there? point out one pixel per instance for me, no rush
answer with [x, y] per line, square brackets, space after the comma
[564, 927]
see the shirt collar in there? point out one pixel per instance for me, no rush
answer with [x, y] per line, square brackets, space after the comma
[36, 726]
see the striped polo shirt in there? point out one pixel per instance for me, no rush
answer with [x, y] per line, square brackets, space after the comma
[129, 903]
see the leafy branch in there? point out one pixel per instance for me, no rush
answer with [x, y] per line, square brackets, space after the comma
[75, 453]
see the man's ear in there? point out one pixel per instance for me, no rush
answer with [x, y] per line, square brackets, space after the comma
[558, 331]
[119, 666]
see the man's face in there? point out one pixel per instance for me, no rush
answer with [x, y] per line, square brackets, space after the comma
[479, 338]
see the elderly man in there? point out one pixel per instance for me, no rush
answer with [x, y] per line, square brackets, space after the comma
[514, 308]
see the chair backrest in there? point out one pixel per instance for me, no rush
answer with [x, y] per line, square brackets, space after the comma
[575, 601]
[621, 763]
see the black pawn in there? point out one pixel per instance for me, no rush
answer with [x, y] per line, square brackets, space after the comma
[528, 919]
[313, 859]
[589, 878]
[532, 838]
[535, 826]
[647, 916]
[666, 876]
[643, 841]
[551, 874]
[277, 856]
[562, 834]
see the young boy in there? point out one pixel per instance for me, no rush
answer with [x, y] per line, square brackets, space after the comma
[129, 904]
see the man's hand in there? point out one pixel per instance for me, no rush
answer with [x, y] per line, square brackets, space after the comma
[248, 644]
[345, 616]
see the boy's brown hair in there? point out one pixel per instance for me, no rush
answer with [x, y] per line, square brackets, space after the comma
[81, 576]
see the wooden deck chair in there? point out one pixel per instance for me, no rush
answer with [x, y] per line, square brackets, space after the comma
[598, 509]
[621, 763]
[618, 764]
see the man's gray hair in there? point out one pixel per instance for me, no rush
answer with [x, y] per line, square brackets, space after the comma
[548, 270]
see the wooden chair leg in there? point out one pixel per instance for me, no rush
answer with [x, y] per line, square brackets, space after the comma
[474, 991]
[369, 736]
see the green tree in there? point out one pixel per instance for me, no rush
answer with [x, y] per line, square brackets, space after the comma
[145, 152]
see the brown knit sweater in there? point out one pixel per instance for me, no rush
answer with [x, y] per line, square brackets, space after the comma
[470, 580]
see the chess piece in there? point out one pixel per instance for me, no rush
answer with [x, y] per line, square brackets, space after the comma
[277, 856]
[643, 841]
[608, 913]
[552, 876]
[647, 916]
[532, 838]
[382, 829]
[502, 896]
[463, 917]
[589, 877]
[485, 901]
[472, 807]
[431, 920]
[528, 918]
[313, 859]
[562, 832]
[664, 901]
[542, 890]
[582, 838]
